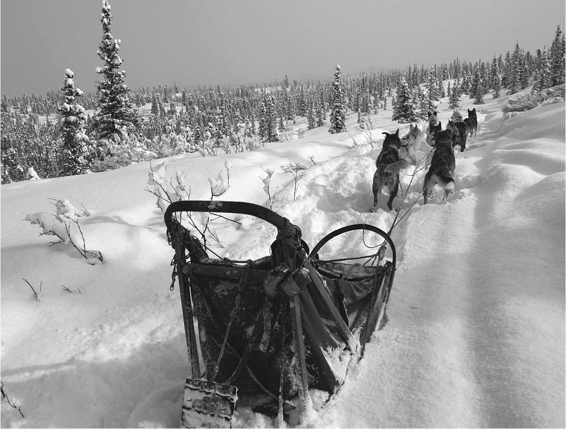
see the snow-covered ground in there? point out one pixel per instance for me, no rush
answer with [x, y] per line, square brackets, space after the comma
[476, 317]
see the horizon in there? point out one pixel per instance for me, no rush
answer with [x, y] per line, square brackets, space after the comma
[210, 48]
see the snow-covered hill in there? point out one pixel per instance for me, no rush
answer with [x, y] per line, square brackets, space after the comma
[476, 319]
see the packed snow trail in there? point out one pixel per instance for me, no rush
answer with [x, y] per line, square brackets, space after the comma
[475, 334]
[476, 327]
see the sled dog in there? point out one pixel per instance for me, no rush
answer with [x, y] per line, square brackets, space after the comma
[388, 164]
[433, 130]
[459, 132]
[442, 166]
[396, 154]
[472, 122]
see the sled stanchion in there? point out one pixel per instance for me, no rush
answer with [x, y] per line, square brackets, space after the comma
[293, 291]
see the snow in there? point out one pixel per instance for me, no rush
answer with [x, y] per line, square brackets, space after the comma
[476, 318]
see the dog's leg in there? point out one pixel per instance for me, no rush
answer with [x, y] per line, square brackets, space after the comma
[426, 186]
[376, 189]
[448, 189]
[393, 193]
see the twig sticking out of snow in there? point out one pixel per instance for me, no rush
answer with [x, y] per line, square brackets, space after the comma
[220, 184]
[169, 191]
[59, 225]
[35, 292]
[71, 291]
[6, 398]
[267, 185]
[91, 256]
[297, 170]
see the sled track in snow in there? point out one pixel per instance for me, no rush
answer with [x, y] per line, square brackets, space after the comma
[456, 327]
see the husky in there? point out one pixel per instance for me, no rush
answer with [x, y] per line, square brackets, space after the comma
[410, 143]
[459, 132]
[472, 122]
[394, 156]
[442, 166]
[433, 130]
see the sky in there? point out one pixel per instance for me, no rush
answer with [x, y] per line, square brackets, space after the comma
[231, 42]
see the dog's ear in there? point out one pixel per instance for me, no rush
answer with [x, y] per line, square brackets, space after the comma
[385, 133]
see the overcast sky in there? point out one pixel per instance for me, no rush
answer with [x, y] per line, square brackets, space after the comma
[193, 42]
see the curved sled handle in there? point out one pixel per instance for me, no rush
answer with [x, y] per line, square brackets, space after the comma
[260, 212]
[364, 226]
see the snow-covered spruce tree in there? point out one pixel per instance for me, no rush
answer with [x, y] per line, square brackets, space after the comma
[154, 105]
[262, 121]
[454, 100]
[476, 90]
[319, 115]
[496, 82]
[302, 103]
[338, 105]
[270, 120]
[516, 70]
[403, 110]
[432, 91]
[73, 118]
[114, 110]
[544, 78]
[557, 58]
[493, 74]
[310, 116]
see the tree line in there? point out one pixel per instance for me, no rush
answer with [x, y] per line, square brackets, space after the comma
[71, 132]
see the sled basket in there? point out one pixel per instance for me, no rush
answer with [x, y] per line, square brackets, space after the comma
[264, 332]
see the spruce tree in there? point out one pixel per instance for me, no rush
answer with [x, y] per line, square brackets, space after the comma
[302, 105]
[476, 90]
[154, 105]
[115, 111]
[454, 100]
[403, 110]
[319, 115]
[545, 73]
[310, 117]
[262, 121]
[516, 70]
[557, 58]
[496, 82]
[270, 120]
[493, 73]
[73, 119]
[338, 113]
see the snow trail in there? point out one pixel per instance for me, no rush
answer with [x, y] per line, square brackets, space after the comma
[475, 338]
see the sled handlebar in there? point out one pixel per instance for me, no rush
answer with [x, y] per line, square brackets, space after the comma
[362, 226]
[239, 207]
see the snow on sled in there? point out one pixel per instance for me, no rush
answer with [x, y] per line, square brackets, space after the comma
[267, 333]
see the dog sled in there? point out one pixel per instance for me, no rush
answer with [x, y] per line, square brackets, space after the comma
[273, 333]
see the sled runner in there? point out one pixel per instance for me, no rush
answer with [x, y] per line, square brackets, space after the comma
[265, 333]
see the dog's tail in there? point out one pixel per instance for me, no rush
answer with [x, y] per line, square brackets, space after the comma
[446, 177]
